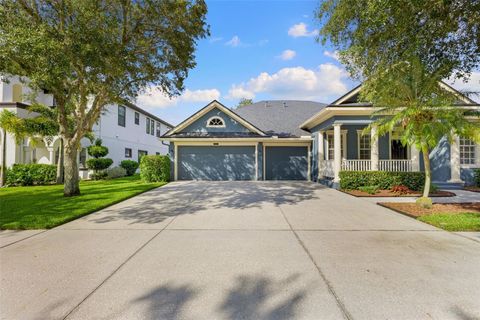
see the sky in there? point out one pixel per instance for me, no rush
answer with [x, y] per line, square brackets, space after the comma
[261, 50]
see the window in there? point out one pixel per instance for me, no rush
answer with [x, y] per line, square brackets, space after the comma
[137, 118]
[128, 153]
[215, 122]
[467, 151]
[150, 126]
[330, 144]
[121, 116]
[158, 129]
[141, 153]
[363, 146]
[83, 157]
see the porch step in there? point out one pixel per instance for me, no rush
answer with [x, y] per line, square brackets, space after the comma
[449, 185]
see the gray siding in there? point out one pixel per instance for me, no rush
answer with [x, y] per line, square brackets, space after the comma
[286, 163]
[200, 125]
[216, 163]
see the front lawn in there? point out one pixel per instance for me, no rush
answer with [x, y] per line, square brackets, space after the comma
[41, 207]
[447, 216]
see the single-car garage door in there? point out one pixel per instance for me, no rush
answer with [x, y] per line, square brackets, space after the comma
[286, 163]
[216, 163]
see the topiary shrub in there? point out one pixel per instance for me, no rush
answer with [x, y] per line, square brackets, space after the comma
[98, 164]
[31, 174]
[155, 168]
[130, 166]
[116, 172]
[385, 180]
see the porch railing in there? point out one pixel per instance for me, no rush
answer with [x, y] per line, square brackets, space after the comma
[395, 165]
[356, 165]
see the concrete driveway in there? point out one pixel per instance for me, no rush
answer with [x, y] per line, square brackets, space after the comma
[241, 250]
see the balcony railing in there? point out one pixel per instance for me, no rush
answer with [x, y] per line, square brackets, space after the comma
[356, 165]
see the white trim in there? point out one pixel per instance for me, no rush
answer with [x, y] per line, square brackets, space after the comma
[257, 139]
[309, 155]
[359, 135]
[216, 126]
[329, 112]
[256, 161]
[344, 142]
[348, 95]
[215, 143]
[175, 158]
[206, 109]
[264, 164]
[476, 151]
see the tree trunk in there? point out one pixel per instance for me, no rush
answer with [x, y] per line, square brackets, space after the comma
[71, 185]
[428, 174]
[3, 165]
[60, 164]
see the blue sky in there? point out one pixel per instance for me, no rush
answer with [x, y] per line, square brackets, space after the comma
[262, 50]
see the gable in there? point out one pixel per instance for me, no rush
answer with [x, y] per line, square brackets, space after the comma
[197, 123]
[201, 124]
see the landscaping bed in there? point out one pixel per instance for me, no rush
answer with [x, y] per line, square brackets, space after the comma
[473, 189]
[43, 207]
[390, 193]
[448, 216]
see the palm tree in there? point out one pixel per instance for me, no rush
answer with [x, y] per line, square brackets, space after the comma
[408, 96]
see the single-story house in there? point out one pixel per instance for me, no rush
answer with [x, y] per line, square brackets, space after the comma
[304, 140]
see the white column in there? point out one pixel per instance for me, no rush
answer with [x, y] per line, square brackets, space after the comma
[337, 151]
[320, 153]
[415, 157]
[51, 155]
[373, 148]
[455, 160]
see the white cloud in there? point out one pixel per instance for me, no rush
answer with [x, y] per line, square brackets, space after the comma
[153, 98]
[234, 42]
[323, 84]
[331, 54]
[472, 86]
[215, 39]
[301, 30]
[288, 54]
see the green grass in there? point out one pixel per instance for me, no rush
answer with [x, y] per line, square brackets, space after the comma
[41, 207]
[454, 222]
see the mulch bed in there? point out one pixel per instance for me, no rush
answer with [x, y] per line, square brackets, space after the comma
[414, 210]
[473, 189]
[389, 193]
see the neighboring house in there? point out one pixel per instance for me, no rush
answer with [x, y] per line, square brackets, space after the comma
[301, 140]
[127, 130]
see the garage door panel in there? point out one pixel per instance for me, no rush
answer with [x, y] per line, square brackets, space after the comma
[216, 163]
[286, 163]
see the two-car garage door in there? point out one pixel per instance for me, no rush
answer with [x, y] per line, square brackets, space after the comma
[238, 163]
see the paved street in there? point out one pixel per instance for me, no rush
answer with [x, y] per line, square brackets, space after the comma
[240, 250]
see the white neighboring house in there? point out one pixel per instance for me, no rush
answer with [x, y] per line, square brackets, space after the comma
[127, 130]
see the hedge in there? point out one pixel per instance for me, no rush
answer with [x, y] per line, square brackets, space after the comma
[476, 174]
[155, 168]
[352, 180]
[31, 174]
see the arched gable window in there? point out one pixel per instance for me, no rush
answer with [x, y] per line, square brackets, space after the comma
[215, 122]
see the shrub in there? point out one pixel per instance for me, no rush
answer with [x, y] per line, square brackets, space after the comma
[130, 166]
[369, 189]
[98, 164]
[155, 168]
[31, 174]
[116, 172]
[476, 174]
[385, 180]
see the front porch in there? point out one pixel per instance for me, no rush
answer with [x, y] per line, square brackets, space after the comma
[347, 147]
